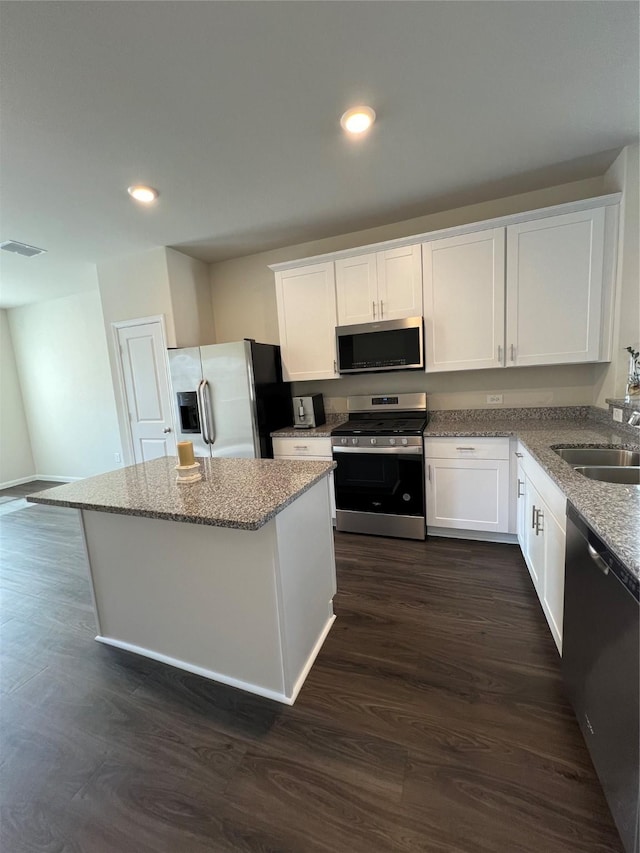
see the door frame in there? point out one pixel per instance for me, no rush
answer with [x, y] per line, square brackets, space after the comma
[116, 325]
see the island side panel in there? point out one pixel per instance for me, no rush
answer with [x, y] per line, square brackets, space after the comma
[307, 580]
[197, 596]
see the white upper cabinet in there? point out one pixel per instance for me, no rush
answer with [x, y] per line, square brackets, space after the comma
[383, 285]
[529, 288]
[400, 282]
[357, 290]
[306, 300]
[554, 289]
[464, 301]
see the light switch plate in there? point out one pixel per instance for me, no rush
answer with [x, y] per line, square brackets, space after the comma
[617, 415]
[117, 457]
[494, 398]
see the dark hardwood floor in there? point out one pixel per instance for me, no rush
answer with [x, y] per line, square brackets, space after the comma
[433, 720]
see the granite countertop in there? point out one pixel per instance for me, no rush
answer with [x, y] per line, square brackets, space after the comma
[323, 431]
[239, 493]
[612, 510]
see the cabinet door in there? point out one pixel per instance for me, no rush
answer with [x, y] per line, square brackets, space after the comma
[521, 498]
[533, 549]
[464, 301]
[306, 300]
[357, 290]
[554, 289]
[554, 555]
[468, 494]
[399, 283]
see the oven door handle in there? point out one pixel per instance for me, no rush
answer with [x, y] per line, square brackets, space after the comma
[397, 451]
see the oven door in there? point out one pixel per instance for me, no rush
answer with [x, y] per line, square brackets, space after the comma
[388, 481]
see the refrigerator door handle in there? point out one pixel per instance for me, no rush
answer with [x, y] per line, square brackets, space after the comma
[208, 414]
[201, 413]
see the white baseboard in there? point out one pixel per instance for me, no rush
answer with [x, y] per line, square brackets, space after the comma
[297, 687]
[18, 482]
[51, 479]
[476, 535]
[225, 679]
[198, 670]
[46, 478]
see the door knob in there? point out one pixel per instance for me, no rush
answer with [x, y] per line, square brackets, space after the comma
[166, 429]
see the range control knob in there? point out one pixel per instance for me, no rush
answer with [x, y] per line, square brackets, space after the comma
[374, 441]
[404, 441]
[355, 440]
[392, 441]
[343, 441]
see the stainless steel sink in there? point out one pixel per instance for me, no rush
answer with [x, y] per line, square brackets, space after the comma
[627, 475]
[598, 456]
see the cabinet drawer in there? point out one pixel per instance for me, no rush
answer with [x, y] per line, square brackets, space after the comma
[466, 448]
[295, 447]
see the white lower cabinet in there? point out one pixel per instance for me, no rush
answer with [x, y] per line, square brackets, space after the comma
[314, 449]
[541, 534]
[467, 484]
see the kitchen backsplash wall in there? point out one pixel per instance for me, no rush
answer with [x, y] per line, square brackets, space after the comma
[561, 385]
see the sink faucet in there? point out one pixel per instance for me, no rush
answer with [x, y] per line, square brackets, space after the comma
[634, 420]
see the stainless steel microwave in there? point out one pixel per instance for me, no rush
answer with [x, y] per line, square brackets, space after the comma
[381, 346]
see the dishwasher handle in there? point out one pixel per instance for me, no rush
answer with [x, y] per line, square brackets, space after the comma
[597, 559]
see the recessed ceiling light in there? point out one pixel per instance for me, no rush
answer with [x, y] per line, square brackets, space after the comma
[142, 193]
[358, 119]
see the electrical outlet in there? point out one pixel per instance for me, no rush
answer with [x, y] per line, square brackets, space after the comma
[118, 458]
[494, 398]
[617, 415]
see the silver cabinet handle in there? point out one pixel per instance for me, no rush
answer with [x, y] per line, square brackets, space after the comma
[335, 366]
[539, 517]
[374, 309]
[533, 517]
[465, 448]
[520, 493]
[381, 309]
[519, 455]
[513, 353]
[597, 559]
[500, 353]
[166, 430]
[429, 472]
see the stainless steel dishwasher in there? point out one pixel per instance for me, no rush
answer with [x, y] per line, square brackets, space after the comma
[600, 666]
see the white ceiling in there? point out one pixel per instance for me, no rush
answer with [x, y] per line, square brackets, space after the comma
[231, 110]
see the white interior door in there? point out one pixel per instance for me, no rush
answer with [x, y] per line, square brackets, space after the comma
[143, 355]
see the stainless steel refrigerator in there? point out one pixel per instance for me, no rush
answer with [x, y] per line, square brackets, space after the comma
[228, 398]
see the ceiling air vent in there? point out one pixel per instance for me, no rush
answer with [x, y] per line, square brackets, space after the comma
[21, 249]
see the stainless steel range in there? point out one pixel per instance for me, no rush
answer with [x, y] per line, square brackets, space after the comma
[379, 481]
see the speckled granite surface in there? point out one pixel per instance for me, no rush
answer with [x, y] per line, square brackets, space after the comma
[324, 431]
[612, 510]
[239, 493]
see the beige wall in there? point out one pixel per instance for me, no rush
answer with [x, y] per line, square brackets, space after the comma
[61, 354]
[244, 305]
[16, 459]
[623, 176]
[190, 300]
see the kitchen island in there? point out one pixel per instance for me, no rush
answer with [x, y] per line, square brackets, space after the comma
[231, 577]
